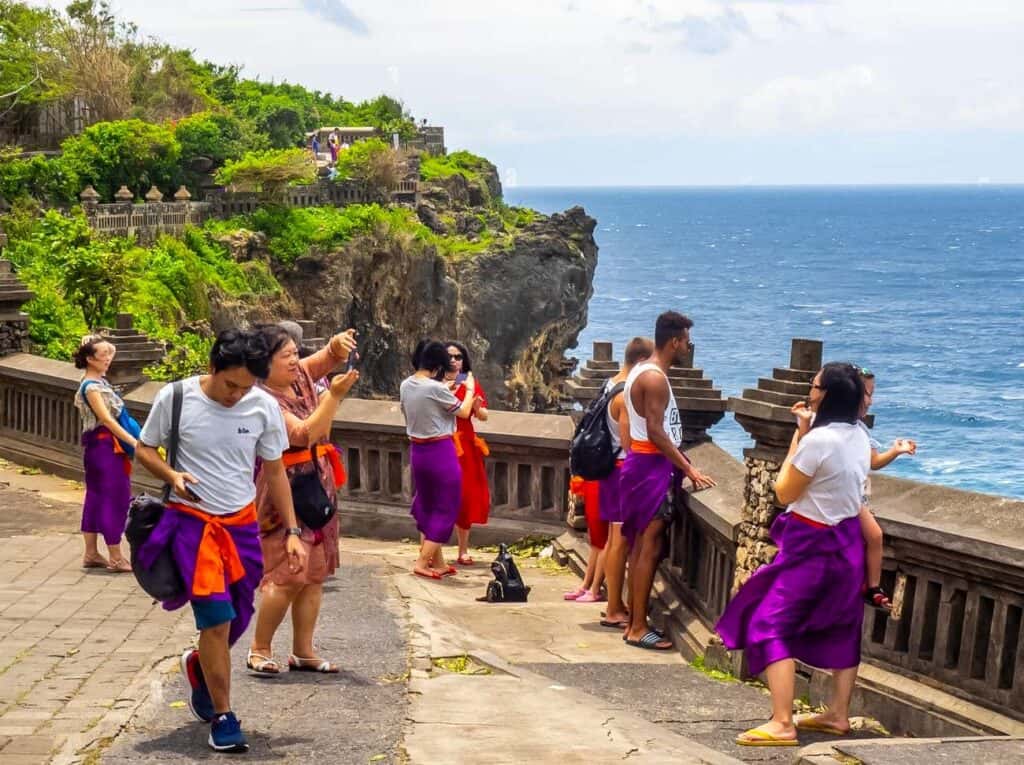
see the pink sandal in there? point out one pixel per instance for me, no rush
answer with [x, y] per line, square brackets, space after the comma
[575, 594]
[589, 597]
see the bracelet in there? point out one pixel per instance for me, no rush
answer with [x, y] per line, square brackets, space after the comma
[293, 531]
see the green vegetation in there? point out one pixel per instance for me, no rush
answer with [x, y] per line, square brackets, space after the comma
[81, 281]
[461, 665]
[715, 674]
[268, 172]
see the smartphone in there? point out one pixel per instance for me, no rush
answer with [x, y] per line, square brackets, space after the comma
[191, 495]
[460, 378]
[353, 361]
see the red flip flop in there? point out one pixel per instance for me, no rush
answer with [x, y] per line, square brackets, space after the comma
[465, 560]
[452, 571]
[431, 575]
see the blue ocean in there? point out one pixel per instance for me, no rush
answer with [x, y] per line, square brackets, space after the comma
[923, 285]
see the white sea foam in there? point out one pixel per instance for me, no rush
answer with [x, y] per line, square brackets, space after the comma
[827, 323]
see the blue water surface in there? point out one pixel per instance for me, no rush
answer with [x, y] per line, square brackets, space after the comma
[923, 285]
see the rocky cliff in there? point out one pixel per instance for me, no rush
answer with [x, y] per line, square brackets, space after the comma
[517, 309]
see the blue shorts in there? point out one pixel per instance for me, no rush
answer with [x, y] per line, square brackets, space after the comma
[212, 613]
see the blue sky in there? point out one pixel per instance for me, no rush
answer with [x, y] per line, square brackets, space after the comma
[658, 92]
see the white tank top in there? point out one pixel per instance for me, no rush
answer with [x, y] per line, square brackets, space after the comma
[613, 424]
[637, 422]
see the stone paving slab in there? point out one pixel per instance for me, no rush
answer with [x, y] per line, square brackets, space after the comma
[76, 646]
[934, 751]
[353, 717]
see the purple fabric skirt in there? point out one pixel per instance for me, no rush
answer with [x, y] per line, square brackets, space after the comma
[438, 480]
[108, 487]
[806, 604]
[183, 533]
[643, 486]
[610, 497]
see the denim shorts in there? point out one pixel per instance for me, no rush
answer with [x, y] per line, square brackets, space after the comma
[212, 613]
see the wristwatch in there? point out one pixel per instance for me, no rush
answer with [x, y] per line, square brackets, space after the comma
[294, 531]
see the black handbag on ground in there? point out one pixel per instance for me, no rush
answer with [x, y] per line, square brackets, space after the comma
[508, 585]
[162, 581]
[313, 507]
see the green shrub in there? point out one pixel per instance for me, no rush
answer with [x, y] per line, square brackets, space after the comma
[268, 172]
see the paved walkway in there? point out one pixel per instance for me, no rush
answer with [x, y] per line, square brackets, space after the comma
[88, 669]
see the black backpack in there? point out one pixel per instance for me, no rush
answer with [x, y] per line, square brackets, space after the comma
[591, 455]
[507, 585]
[161, 581]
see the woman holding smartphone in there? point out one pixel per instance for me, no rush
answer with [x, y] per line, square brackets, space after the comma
[307, 417]
[476, 494]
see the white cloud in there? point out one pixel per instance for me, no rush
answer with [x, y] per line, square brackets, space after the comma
[831, 99]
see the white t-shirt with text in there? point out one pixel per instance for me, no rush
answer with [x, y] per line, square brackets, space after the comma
[218, 444]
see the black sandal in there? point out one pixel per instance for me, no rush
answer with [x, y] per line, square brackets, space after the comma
[876, 598]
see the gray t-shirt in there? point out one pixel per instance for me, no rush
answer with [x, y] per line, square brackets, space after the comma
[429, 407]
[219, 444]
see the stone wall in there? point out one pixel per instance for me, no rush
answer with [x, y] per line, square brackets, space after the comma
[13, 336]
[754, 547]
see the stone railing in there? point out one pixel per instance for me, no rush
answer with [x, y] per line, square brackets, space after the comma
[153, 217]
[527, 467]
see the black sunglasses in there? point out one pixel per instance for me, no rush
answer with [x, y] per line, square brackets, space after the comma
[455, 356]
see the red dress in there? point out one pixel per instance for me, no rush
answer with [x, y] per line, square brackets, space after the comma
[476, 494]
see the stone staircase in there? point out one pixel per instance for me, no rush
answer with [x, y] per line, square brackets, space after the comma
[135, 352]
[13, 321]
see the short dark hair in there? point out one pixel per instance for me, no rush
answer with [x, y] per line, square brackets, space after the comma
[670, 325]
[638, 349]
[241, 348]
[87, 349]
[276, 337]
[467, 366]
[843, 388]
[431, 355]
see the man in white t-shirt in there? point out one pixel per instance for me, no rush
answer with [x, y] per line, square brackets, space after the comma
[210, 525]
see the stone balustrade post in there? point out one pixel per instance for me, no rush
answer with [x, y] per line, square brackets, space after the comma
[135, 352]
[13, 322]
[764, 413]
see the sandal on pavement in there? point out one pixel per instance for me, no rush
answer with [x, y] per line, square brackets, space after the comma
[651, 641]
[589, 597]
[465, 560]
[98, 562]
[815, 723]
[429, 574]
[615, 625]
[574, 594]
[302, 664]
[450, 571]
[265, 666]
[758, 737]
[119, 566]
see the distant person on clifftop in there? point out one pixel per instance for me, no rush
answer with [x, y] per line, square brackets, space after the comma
[314, 144]
[651, 467]
[210, 523]
[807, 604]
[610, 507]
[108, 444]
[332, 146]
[476, 493]
[430, 411]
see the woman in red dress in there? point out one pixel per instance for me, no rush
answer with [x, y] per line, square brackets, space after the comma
[476, 494]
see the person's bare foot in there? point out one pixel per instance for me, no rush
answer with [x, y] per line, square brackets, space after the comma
[826, 722]
[775, 731]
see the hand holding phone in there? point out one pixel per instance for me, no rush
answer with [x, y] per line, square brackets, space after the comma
[353, 360]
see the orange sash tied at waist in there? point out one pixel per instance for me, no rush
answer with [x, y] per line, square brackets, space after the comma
[217, 559]
[644, 447]
[480, 444]
[294, 457]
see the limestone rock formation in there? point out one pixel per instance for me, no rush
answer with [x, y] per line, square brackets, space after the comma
[517, 309]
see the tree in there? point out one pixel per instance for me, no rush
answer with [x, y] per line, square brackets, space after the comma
[268, 172]
[130, 152]
[96, 278]
[25, 53]
[373, 163]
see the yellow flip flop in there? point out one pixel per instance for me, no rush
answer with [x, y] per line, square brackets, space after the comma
[807, 722]
[763, 738]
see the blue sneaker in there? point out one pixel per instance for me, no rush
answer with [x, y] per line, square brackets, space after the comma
[226, 734]
[199, 702]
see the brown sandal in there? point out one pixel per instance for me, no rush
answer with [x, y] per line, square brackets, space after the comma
[98, 562]
[122, 566]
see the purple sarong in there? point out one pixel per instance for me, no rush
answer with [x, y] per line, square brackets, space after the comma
[108, 487]
[609, 502]
[438, 480]
[643, 491]
[806, 604]
[183, 533]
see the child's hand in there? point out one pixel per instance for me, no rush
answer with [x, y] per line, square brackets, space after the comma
[803, 415]
[905, 446]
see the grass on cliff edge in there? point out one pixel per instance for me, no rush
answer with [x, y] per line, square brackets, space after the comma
[294, 232]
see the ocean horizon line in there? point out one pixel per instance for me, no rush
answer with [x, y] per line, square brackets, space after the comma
[768, 186]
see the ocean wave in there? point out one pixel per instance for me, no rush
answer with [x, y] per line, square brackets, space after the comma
[827, 323]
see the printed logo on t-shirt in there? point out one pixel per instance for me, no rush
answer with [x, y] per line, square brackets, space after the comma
[243, 431]
[675, 426]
